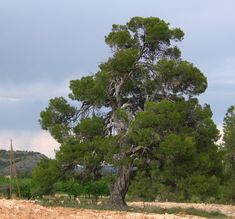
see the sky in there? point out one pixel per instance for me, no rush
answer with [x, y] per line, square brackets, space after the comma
[46, 43]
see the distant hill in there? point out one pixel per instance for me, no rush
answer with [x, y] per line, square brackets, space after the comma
[25, 161]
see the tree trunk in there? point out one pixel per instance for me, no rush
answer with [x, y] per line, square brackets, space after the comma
[119, 189]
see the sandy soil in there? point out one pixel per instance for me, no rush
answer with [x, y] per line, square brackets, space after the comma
[20, 209]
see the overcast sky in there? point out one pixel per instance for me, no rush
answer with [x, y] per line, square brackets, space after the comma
[46, 43]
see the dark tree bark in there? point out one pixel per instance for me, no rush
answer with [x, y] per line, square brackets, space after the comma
[119, 189]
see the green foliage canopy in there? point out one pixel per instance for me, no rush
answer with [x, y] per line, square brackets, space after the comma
[139, 109]
[229, 151]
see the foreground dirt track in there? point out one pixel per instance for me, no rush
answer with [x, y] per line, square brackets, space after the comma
[18, 209]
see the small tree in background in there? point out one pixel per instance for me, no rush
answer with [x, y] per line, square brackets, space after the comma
[44, 176]
[229, 148]
[70, 187]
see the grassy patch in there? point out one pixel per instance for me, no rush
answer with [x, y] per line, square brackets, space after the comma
[184, 211]
[201, 213]
[89, 204]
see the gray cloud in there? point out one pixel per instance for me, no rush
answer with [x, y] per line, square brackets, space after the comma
[29, 140]
[20, 104]
[44, 44]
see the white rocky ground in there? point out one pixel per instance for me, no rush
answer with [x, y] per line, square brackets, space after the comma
[21, 209]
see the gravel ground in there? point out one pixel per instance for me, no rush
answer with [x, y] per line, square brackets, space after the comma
[21, 209]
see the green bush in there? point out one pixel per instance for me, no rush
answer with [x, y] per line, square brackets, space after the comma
[96, 188]
[25, 188]
[90, 188]
[203, 187]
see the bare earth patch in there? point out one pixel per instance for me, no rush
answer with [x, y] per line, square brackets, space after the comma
[21, 209]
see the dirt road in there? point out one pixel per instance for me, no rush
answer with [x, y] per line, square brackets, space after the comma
[20, 209]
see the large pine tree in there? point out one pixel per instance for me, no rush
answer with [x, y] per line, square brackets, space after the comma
[139, 105]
